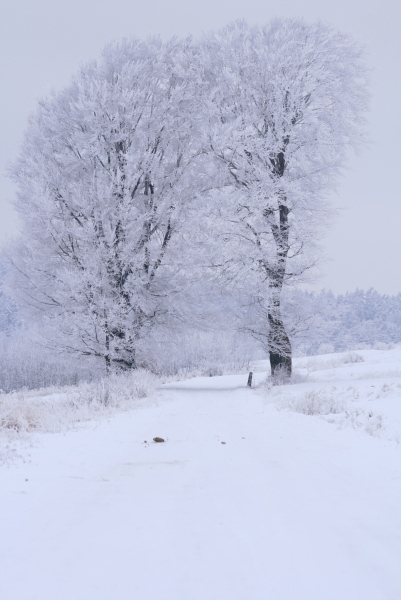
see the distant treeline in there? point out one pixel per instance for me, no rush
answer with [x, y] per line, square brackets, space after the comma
[350, 320]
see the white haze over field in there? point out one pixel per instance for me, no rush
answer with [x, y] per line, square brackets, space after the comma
[290, 492]
[43, 44]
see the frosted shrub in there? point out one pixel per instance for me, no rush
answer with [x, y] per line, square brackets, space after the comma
[119, 390]
[283, 379]
[16, 416]
[53, 410]
[369, 422]
[353, 357]
[280, 376]
[316, 403]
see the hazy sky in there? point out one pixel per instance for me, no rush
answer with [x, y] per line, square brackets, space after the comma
[43, 42]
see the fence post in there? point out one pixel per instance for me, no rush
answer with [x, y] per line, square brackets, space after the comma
[249, 384]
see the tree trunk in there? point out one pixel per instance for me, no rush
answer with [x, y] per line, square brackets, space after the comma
[280, 350]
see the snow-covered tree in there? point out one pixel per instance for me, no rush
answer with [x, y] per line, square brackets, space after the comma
[106, 170]
[283, 104]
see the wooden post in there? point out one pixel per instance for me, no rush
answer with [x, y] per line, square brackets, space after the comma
[249, 384]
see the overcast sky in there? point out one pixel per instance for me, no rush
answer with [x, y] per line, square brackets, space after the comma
[43, 43]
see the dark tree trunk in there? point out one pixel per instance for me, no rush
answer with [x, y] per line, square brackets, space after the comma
[279, 344]
[280, 365]
[280, 351]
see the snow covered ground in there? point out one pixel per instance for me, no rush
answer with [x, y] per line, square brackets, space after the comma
[284, 493]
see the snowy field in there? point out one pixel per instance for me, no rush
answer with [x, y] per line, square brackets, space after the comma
[284, 493]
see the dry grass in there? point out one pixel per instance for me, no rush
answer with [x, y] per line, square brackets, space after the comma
[58, 409]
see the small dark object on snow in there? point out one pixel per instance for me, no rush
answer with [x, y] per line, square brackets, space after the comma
[249, 384]
[223, 442]
[158, 439]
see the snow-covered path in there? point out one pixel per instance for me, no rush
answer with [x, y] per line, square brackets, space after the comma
[289, 508]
